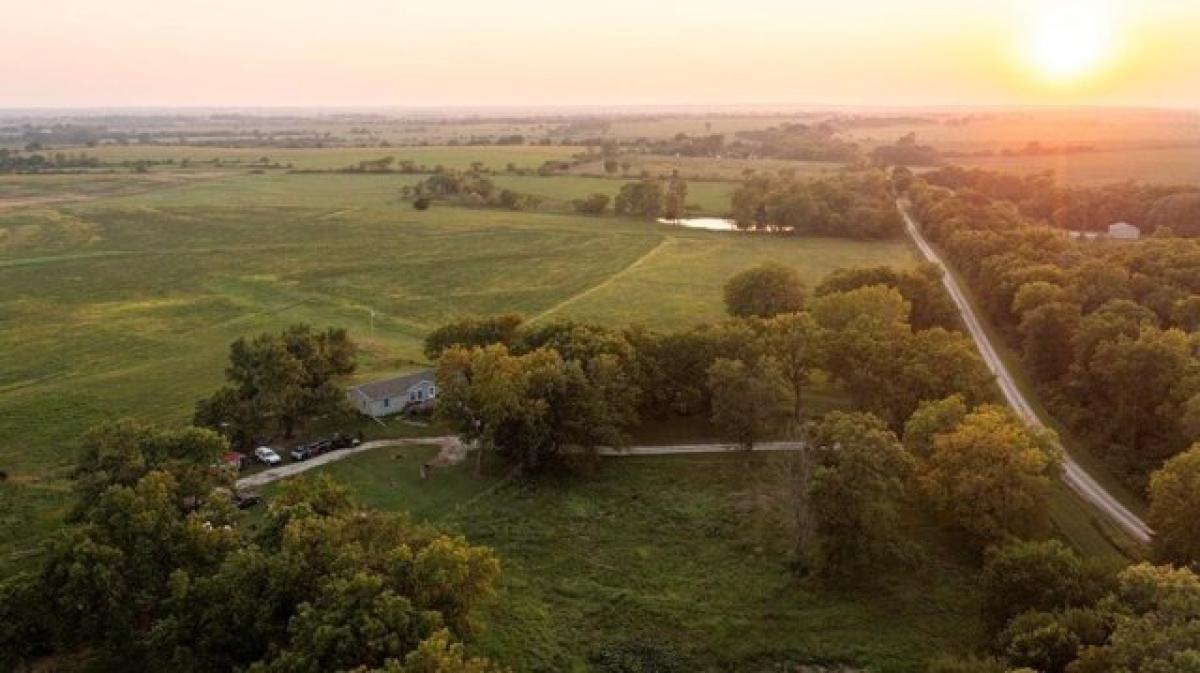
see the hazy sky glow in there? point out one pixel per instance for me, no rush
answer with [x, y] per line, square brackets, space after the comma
[607, 52]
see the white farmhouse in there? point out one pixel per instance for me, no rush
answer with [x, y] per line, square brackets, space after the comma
[1124, 231]
[392, 396]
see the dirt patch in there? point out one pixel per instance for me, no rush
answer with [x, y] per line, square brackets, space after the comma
[26, 201]
[452, 452]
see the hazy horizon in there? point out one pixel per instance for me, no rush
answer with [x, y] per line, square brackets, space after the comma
[379, 54]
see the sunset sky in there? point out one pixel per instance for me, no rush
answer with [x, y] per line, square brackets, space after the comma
[96, 53]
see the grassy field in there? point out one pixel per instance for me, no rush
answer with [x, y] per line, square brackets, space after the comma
[709, 197]
[16, 189]
[495, 157]
[126, 305]
[676, 555]
[710, 168]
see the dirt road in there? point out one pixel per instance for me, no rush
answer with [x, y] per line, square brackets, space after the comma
[452, 451]
[1073, 474]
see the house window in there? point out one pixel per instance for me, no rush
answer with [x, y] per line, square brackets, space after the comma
[387, 402]
[432, 392]
[420, 395]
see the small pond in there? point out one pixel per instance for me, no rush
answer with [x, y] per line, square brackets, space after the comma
[710, 223]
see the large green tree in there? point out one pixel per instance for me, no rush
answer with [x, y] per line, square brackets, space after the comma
[1175, 509]
[1157, 625]
[749, 401]
[857, 487]
[991, 476]
[764, 291]
[796, 343]
[496, 329]
[276, 382]
[155, 575]
[535, 405]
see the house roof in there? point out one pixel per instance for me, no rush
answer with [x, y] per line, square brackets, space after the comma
[395, 387]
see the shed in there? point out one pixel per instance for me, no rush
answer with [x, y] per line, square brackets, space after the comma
[1124, 231]
[392, 396]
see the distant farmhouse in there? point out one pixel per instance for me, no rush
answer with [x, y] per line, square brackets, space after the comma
[411, 392]
[1118, 231]
[1124, 231]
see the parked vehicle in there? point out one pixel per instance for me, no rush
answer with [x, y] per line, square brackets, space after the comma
[301, 452]
[246, 500]
[343, 441]
[267, 456]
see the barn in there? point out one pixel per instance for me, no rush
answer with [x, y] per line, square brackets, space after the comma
[1123, 231]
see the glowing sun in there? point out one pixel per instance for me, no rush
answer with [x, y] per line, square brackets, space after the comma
[1070, 39]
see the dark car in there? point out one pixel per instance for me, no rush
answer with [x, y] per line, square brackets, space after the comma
[246, 500]
[301, 453]
[342, 440]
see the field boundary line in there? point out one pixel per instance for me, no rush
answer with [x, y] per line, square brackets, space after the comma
[605, 283]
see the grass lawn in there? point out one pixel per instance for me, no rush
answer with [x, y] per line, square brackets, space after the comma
[677, 555]
[126, 305]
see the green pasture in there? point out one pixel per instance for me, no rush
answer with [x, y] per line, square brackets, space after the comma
[680, 557]
[126, 305]
[461, 156]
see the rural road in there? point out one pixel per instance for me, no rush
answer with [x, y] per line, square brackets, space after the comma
[1073, 474]
[453, 451]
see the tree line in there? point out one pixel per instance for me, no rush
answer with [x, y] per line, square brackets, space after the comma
[33, 161]
[852, 205]
[157, 570]
[1040, 197]
[469, 188]
[1107, 331]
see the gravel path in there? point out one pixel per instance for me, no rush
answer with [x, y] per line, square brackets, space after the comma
[1073, 473]
[452, 451]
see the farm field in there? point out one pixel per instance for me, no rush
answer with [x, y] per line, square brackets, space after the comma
[674, 557]
[711, 168]
[1167, 166]
[126, 305]
[495, 157]
[709, 197]
[23, 189]
[996, 130]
